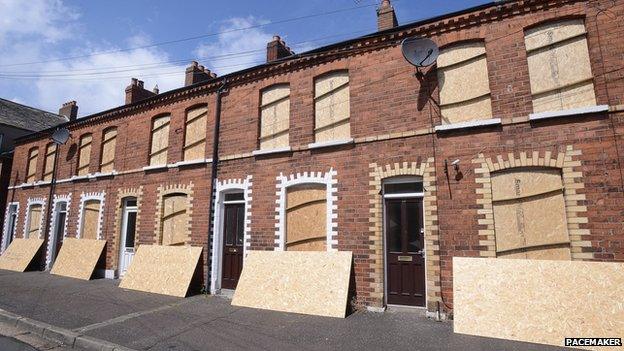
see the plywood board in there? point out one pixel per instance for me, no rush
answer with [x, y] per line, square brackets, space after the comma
[160, 141]
[175, 220]
[78, 258]
[195, 134]
[18, 256]
[166, 270]
[109, 144]
[91, 219]
[332, 107]
[315, 283]
[305, 218]
[35, 222]
[538, 301]
[84, 154]
[525, 182]
[275, 116]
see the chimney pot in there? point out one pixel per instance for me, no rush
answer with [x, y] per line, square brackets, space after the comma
[69, 110]
[136, 91]
[195, 73]
[386, 17]
[277, 49]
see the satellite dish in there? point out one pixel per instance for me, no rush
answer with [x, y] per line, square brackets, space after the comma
[420, 52]
[60, 136]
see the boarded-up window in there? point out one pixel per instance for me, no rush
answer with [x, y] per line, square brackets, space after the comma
[463, 83]
[84, 154]
[109, 142]
[529, 214]
[306, 218]
[34, 221]
[48, 164]
[31, 166]
[332, 107]
[160, 141]
[175, 220]
[559, 66]
[90, 219]
[195, 133]
[274, 117]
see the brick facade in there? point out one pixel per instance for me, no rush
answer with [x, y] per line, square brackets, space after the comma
[393, 115]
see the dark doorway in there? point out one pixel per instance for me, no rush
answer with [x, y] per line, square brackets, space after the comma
[405, 261]
[233, 235]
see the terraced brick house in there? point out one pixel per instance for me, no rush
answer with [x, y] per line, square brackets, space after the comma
[510, 146]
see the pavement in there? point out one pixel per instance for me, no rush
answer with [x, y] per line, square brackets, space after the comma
[97, 315]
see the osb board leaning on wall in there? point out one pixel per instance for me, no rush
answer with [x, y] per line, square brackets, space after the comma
[20, 254]
[78, 258]
[166, 270]
[538, 301]
[314, 283]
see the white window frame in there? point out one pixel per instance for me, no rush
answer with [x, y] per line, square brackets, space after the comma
[84, 197]
[5, 234]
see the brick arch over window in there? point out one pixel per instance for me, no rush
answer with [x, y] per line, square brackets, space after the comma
[549, 164]
[121, 195]
[379, 173]
[174, 207]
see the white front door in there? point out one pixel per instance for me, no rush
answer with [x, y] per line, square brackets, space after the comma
[128, 230]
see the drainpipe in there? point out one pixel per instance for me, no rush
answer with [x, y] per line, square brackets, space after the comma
[46, 224]
[213, 176]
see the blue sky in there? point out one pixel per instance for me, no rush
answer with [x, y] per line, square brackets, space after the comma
[49, 30]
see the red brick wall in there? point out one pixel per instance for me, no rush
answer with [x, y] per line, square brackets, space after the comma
[386, 99]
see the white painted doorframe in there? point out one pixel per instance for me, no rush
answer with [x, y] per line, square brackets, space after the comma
[125, 256]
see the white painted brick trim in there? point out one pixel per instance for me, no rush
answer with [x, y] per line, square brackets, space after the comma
[6, 225]
[55, 200]
[217, 249]
[328, 179]
[35, 201]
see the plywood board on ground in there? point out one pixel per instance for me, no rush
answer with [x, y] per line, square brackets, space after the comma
[78, 258]
[315, 283]
[166, 270]
[20, 254]
[538, 301]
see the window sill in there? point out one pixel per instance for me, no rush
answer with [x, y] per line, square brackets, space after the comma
[73, 178]
[190, 163]
[569, 112]
[154, 168]
[330, 143]
[468, 124]
[271, 151]
[102, 175]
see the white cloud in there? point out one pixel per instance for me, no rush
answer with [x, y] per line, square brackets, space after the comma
[41, 30]
[251, 43]
[39, 18]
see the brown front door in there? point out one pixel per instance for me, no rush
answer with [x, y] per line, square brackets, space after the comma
[405, 252]
[233, 231]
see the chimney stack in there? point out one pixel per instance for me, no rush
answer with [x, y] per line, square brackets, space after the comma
[386, 18]
[135, 91]
[69, 110]
[196, 73]
[277, 49]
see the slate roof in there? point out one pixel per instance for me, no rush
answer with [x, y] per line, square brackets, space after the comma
[26, 117]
